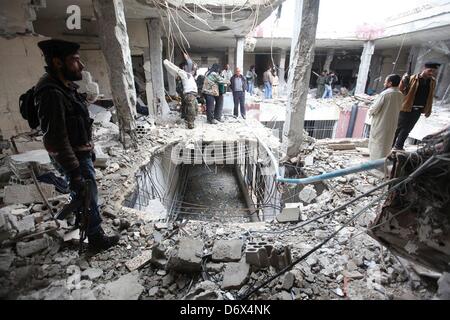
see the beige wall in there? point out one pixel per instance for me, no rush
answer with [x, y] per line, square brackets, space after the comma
[21, 67]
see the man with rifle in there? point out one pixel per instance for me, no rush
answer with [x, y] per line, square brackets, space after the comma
[67, 128]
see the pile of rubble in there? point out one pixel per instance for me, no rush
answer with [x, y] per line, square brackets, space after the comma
[200, 259]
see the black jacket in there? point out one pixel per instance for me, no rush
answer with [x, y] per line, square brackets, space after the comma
[244, 82]
[65, 122]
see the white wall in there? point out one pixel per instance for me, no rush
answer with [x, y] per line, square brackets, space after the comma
[21, 67]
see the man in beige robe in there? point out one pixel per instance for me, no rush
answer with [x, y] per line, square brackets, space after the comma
[384, 113]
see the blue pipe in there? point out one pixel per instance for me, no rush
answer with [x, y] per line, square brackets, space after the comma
[337, 173]
[373, 164]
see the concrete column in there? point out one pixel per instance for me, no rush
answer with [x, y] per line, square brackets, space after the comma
[232, 57]
[299, 78]
[170, 78]
[282, 71]
[328, 60]
[364, 67]
[295, 38]
[156, 68]
[112, 29]
[240, 53]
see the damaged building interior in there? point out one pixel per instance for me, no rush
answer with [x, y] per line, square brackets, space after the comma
[286, 202]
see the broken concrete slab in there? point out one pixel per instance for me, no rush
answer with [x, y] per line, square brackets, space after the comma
[342, 146]
[188, 257]
[139, 261]
[154, 212]
[126, 287]
[288, 281]
[26, 194]
[6, 259]
[227, 250]
[236, 274]
[308, 194]
[444, 286]
[91, 273]
[25, 249]
[290, 213]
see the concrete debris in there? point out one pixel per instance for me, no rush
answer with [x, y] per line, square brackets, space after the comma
[91, 273]
[139, 261]
[444, 286]
[126, 287]
[6, 259]
[27, 194]
[227, 250]
[290, 213]
[236, 274]
[343, 146]
[25, 249]
[308, 194]
[163, 260]
[188, 257]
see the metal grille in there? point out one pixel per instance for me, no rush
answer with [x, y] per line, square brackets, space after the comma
[366, 133]
[320, 129]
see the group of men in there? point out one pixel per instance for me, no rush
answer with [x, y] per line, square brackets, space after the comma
[398, 108]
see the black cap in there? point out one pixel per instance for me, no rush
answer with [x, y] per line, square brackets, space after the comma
[432, 65]
[58, 48]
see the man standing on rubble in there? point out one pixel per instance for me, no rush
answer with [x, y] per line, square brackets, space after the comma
[190, 90]
[238, 86]
[67, 129]
[384, 113]
[418, 93]
[321, 84]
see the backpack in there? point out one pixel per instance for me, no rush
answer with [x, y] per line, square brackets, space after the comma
[28, 107]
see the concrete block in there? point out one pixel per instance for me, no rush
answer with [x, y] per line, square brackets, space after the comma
[288, 281]
[126, 287]
[158, 257]
[227, 250]
[188, 258]
[25, 249]
[308, 194]
[6, 259]
[281, 260]
[27, 194]
[290, 213]
[139, 261]
[91, 273]
[236, 275]
[342, 146]
[25, 226]
[257, 254]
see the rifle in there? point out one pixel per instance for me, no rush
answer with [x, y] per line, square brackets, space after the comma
[406, 79]
[80, 204]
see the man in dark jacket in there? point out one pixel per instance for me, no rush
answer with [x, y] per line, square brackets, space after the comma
[67, 127]
[239, 87]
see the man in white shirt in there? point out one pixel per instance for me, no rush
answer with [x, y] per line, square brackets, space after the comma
[227, 74]
[189, 102]
[385, 112]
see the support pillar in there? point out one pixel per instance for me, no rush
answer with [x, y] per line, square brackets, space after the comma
[171, 81]
[299, 78]
[114, 43]
[282, 66]
[157, 75]
[295, 38]
[328, 60]
[231, 58]
[364, 67]
[240, 53]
